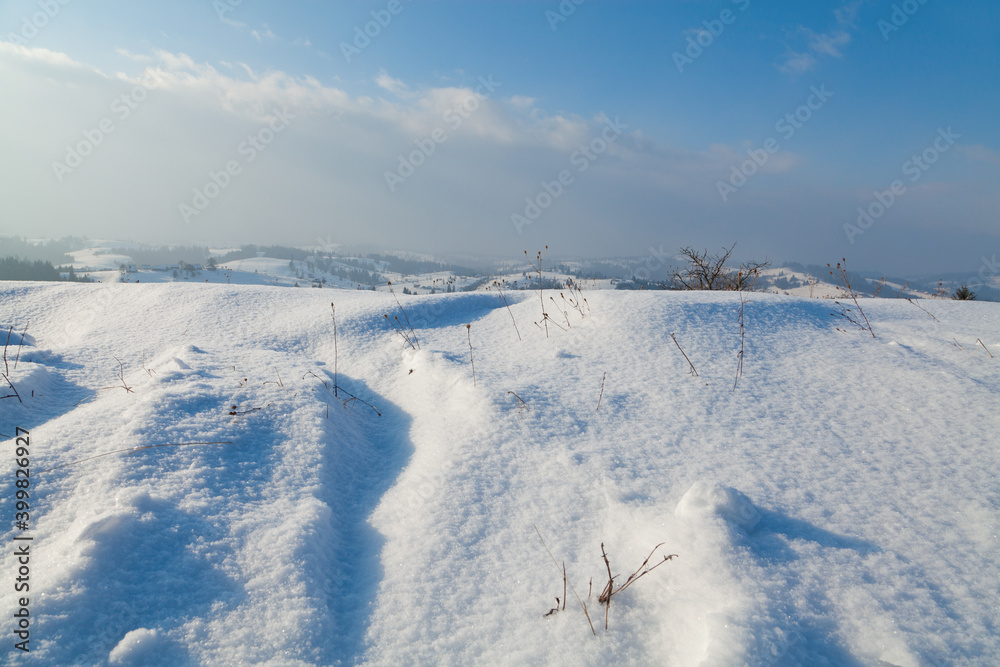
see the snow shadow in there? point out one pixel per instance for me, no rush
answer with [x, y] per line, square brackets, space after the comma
[138, 573]
[763, 312]
[787, 638]
[45, 393]
[358, 480]
[775, 531]
[449, 310]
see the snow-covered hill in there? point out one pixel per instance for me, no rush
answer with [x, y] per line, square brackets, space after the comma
[839, 506]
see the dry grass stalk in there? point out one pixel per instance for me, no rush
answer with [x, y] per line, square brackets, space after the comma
[507, 305]
[351, 398]
[541, 290]
[149, 371]
[121, 377]
[468, 330]
[599, 398]
[741, 281]
[923, 309]
[576, 299]
[133, 450]
[279, 382]
[336, 356]
[522, 407]
[985, 348]
[6, 370]
[693, 371]
[878, 287]
[609, 588]
[412, 339]
[848, 289]
[565, 313]
[398, 327]
[583, 605]
[20, 343]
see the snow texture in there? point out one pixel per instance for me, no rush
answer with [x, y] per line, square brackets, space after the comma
[838, 507]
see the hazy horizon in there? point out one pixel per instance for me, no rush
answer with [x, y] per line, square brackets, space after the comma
[859, 129]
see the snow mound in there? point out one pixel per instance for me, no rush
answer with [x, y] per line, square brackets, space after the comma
[140, 647]
[706, 499]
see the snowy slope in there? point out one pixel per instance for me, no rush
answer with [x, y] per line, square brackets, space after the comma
[839, 507]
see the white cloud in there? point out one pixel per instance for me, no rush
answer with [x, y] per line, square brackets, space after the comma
[981, 153]
[797, 63]
[828, 43]
[327, 168]
[395, 86]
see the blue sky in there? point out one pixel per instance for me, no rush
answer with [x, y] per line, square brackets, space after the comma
[670, 125]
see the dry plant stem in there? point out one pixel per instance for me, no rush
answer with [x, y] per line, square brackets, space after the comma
[565, 314]
[739, 357]
[599, 398]
[554, 323]
[564, 586]
[351, 397]
[415, 343]
[121, 376]
[336, 358]
[556, 563]
[641, 571]
[878, 287]
[693, 371]
[985, 348]
[20, 343]
[521, 405]
[468, 330]
[132, 450]
[507, 305]
[149, 371]
[848, 289]
[541, 290]
[609, 588]
[398, 328]
[923, 309]
[6, 372]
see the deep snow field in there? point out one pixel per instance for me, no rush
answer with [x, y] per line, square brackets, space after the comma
[839, 507]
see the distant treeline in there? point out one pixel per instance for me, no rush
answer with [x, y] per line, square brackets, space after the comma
[167, 255]
[409, 267]
[14, 268]
[48, 251]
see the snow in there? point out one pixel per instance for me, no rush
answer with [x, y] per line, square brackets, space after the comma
[839, 506]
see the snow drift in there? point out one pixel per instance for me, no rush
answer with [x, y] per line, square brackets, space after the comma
[839, 506]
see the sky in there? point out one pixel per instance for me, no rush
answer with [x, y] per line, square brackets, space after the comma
[801, 131]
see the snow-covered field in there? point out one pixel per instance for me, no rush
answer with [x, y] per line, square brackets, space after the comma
[839, 507]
